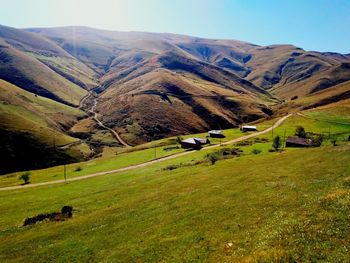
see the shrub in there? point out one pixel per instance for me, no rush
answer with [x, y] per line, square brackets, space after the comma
[300, 132]
[213, 158]
[256, 151]
[317, 140]
[178, 139]
[78, 169]
[25, 177]
[171, 167]
[276, 143]
[260, 140]
[244, 143]
[67, 211]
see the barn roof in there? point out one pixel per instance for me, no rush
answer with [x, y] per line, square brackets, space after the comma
[195, 141]
[248, 127]
[190, 140]
[300, 141]
[216, 131]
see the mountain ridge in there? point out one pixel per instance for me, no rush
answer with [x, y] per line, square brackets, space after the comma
[153, 85]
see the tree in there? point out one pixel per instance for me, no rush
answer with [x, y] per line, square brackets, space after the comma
[25, 177]
[178, 139]
[67, 211]
[300, 132]
[276, 143]
[317, 140]
[256, 151]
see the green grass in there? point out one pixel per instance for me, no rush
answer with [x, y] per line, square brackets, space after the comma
[339, 114]
[123, 158]
[314, 126]
[267, 207]
[96, 165]
[147, 152]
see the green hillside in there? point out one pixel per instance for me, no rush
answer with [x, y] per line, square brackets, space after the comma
[281, 208]
[257, 206]
[33, 127]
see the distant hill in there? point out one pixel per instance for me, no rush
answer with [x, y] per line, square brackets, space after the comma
[150, 85]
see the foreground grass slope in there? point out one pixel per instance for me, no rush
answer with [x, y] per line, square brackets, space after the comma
[278, 206]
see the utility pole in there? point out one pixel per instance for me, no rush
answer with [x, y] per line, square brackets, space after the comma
[272, 131]
[284, 139]
[54, 141]
[65, 173]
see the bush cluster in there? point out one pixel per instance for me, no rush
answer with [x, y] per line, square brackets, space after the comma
[66, 212]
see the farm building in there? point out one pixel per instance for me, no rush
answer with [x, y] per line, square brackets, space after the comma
[245, 128]
[298, 142]
[216, 134]
[194, 143]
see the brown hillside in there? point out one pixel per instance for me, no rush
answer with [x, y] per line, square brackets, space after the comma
[175, 83]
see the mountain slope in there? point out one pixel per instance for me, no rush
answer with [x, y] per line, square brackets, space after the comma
[322, 80]
[137, 69]
[49, 72]
[33, 129]
[151, 85]
[186, 96]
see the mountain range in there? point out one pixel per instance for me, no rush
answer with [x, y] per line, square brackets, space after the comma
[145, 86]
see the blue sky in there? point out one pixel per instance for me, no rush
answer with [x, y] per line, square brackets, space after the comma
[322, 25]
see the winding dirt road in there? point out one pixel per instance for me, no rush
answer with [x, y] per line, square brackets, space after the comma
[99, 122]
[132, 167]
[114, 133]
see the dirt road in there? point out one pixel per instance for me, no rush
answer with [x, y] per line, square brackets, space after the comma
[95, 117]
[132, 167]
[114, 133]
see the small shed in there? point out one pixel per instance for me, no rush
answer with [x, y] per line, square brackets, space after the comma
[245, 128]
[216, 134]
[193, 143]
[298, 142]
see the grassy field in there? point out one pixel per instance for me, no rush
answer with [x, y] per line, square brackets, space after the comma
[117, 158]
[109, 162]
[268, 207]
[252, 208]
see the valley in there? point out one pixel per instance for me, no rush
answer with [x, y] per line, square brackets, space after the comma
[193, 84]
[94, 121]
